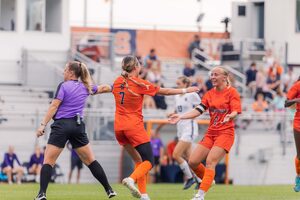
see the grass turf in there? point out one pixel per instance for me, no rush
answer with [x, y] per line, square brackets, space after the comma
[156, 192]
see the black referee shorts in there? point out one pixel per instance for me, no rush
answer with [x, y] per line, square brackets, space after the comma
[63, 130]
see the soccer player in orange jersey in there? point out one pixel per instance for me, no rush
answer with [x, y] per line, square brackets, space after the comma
[129, 91]
[293, 96]
[223, 103]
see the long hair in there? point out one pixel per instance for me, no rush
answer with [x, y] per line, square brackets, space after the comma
[128, 65]
[81, 71]
[185, 80]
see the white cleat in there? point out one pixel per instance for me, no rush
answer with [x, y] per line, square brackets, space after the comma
[129, 183]
[145, 197]
[199, 196]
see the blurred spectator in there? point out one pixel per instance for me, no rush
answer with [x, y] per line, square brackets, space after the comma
[160, 101]
[268, 59]
[198, 82]
[260, 105]
[158, 152]
[278, 101]
[36, 163]
[276, 69]
[150, 58]
[289, 79]
[154, 73]
[251, 78]
[9, 168]
[189, 69]
[273, 82]
[261, 82]
[195, 44]
[170, 149]
[75, 163]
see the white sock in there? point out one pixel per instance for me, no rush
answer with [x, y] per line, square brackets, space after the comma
[186, 170]
[201, 193]
[196, 177]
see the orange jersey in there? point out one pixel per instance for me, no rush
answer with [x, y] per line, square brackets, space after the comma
[294, 93]
[128, 113]
[219, 104]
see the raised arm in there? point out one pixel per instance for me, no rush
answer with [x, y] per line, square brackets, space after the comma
[49, 115]
[172, 91]
[289, 103]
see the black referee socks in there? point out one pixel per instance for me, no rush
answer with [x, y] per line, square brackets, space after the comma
[99, 174]
[46, 172]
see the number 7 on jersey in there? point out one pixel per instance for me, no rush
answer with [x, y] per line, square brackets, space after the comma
[122, 97]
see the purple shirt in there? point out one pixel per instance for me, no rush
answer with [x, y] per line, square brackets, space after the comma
[9, 160]
[36, 160]
[156, 144]
[73, 95]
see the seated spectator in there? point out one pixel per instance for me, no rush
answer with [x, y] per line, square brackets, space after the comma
[195, 44]
[289, 79]
[36, 163]
[278, 101]
[158, 152]
[9, 168]
[154, 73]
[260, 105]
[189, 69]
[160, 100]
[275, 69]
[273, 82]
[170, 149]
[268, 59]
[251, 78]
[150, 58]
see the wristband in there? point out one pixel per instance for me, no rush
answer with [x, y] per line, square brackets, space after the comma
[184, 90]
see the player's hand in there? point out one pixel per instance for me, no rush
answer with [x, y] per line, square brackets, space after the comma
[226, 119]
[192, 89]
[40, 131]
[174, 118]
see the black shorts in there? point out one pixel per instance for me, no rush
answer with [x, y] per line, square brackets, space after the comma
[76, 162]
[63, 130]
[156, 160]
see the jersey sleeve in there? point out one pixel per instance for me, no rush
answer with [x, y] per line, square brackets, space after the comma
[60, 92]
[235, 102]
[205, 99]
[293, 92]
[94, 89]
[147, 88]
[194, 99]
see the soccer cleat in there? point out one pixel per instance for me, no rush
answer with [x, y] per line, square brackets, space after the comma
[41, 196]
[145, 197]
[297, 184]
[110, 193]
[188, 183]
[198, 197]
[129, 183]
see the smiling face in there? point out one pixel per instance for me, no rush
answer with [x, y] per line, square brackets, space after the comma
[218, 77]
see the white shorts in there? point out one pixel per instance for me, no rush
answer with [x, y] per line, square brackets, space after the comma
[187, 132]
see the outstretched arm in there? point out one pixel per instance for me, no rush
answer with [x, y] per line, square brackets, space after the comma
[173, 119]
[172, 91]
[103, 88]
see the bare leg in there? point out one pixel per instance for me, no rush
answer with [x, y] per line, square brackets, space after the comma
[8, 172]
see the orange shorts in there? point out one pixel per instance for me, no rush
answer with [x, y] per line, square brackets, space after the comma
[223, 139]
[133, 137]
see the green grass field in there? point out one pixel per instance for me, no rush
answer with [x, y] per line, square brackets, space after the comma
[156, 192]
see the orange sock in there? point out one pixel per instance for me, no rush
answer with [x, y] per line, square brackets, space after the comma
[207, 180]
[297, 166]
[141, 182]
[141, 170]
[199, 171]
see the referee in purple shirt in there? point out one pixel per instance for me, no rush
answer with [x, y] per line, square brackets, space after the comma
[66, 110]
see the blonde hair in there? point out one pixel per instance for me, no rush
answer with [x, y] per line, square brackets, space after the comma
[81, 71]
[128, 65]
[225, 73]
[185, 80]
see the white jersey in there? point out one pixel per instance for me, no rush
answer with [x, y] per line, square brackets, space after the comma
[187, 130]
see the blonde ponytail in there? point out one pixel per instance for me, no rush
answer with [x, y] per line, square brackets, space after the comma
[85, 77]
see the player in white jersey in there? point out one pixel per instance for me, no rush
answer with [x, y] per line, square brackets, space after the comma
[187, 130]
